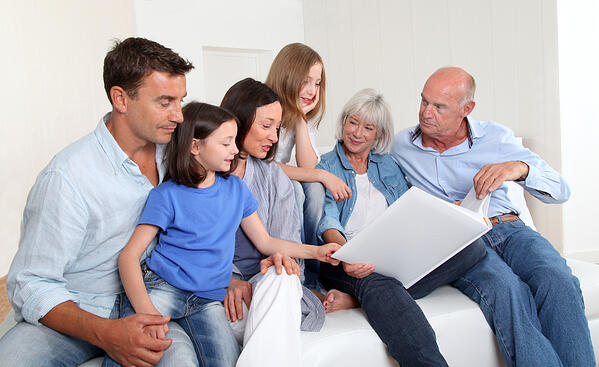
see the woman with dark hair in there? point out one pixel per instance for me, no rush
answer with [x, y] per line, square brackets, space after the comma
[278, 304]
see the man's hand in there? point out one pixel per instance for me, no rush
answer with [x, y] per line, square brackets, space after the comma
[280, 261]
[238, 291]
[358, 270]
[491, 176]
[126, 341]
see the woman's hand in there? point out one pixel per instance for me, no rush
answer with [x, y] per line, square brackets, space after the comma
[335, 185]
[239, 291]
[325, 252]
[358, 270]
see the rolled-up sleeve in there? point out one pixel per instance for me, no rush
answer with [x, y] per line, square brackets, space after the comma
[542, 182]
[54, 227]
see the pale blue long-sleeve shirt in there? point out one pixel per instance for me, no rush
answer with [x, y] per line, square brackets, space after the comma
[79, 215]
[449, 175]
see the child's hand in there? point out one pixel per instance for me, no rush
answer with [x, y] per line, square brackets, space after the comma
[156, 331]
[325, 252]
[336, 186]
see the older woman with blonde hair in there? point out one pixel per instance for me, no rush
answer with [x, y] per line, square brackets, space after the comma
[361, 159]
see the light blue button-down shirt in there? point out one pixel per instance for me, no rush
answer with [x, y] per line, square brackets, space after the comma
[79, 215]
[449, 175]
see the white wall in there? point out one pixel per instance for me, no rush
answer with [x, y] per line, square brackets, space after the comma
[509, 46]
[579, 77]
[52, 72]
[190, 26]
[52, 91]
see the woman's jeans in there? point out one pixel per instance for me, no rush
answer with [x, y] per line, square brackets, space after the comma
[310, 200]
[392, 311]
[204, 320]
[530, 298]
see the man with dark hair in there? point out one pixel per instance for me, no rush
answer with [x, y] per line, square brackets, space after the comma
[64, 283]
[525, 289]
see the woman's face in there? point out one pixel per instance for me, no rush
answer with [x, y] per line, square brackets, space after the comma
[359, 135]
[263, 132]
[309, 93]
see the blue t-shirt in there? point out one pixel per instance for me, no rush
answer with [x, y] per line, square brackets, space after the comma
[197, 233]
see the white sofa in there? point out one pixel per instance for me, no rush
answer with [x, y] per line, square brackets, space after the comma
[464, 337]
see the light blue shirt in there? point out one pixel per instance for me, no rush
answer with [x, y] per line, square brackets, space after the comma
[449, 175]
[79, 215]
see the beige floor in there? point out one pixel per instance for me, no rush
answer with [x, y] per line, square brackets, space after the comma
[4, 305]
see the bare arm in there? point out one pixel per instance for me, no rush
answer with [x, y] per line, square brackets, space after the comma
[334, 184]
[305, 156]
[123, 339]
[130, 271]
[267, 245]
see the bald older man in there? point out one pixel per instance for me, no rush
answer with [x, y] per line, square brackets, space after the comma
[526, 291]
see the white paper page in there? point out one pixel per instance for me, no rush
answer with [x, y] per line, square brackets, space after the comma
[417, 233]
[480, 207]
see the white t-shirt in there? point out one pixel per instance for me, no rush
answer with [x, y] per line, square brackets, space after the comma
[287, 142]
[370, 204]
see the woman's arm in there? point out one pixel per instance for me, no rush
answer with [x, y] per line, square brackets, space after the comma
[130, 270]
[267, 245]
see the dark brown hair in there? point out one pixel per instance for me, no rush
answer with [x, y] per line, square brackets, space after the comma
[129, 61]
[242, 100]
[199, 121]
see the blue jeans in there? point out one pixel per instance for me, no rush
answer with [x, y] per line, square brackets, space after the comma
[204, 320]
[28, 345]
[392, 311]
[530, 298]
[310, 200]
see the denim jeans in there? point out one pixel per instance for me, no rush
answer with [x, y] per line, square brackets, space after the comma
[530, 298]
[310, 199]
[392, 311]
[27, 345]
[204, 320]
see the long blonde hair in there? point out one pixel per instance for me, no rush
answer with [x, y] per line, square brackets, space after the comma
[286, 76]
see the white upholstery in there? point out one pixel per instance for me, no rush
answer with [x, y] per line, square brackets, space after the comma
[464, 337]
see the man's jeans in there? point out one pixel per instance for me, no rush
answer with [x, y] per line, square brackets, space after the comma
[530, 298]
[204, 320]
[27, 345]
[392, 311]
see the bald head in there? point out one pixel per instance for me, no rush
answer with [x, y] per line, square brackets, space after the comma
[457, 78]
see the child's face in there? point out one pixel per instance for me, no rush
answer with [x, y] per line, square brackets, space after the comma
[217, 151]
[309, 93]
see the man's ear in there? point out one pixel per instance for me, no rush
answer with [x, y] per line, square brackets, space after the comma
[118, 96]
[468, 108]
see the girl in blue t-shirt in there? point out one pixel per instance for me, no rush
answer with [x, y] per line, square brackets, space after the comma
[196, 212]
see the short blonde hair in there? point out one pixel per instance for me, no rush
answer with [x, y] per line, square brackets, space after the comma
[369, 105]
[286, 76]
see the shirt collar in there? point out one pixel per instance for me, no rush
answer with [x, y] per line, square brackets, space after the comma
[111, 148]
[116, 155]
[345, 162]
[472, 133]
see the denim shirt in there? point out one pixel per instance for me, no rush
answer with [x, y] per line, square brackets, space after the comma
[79, 215]
[383, 172]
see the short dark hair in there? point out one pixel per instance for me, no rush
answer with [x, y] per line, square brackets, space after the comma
[199, 121]
[129, 61]
[242, 100]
